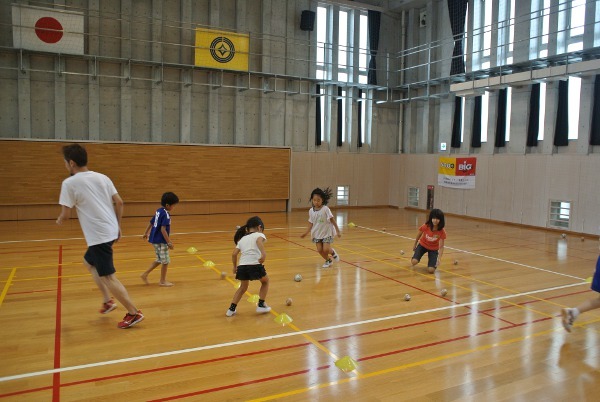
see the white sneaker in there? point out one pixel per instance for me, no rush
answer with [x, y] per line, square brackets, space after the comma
[264, 309]
[336, 257]
[230, 313]
[327, 264]
[568, 318]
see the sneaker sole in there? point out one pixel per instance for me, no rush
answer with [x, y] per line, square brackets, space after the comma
[227, 315]
[114, 306]
[134, 322]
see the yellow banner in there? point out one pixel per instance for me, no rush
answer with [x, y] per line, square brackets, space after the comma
[447, 166]
[221, 49]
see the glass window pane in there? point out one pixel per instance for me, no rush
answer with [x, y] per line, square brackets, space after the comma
[485, 107]
[542, 111]
[362, 42]
[574, 100]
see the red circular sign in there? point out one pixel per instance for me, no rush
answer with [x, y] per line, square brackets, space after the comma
[49, 30]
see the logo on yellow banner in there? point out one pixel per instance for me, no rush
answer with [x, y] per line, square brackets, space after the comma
[222, 50]
[447, 166]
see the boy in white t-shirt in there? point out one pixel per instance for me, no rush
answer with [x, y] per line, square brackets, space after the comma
[249, 240]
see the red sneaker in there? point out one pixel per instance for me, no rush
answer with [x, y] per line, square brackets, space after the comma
[131, 319]
[108, 306]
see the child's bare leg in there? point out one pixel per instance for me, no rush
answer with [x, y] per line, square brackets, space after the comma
[144, 276]
[240, 292]
[589, 305]
[118, 290]
[414, 261]
[163, 276]
[264, 287]
[98, 281]
[327, 250]
[322, 252]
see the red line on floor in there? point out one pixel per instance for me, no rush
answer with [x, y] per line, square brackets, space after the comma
[223, 358]
[239, 384]
[56, 376]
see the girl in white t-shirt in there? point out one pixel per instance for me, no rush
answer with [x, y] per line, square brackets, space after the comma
[322, 225]
[249, 240]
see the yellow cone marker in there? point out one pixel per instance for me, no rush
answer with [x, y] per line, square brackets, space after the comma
[192, 250]
[283, 319]
[351, 225]
[588, 280]
[209, 263]
[346, 364]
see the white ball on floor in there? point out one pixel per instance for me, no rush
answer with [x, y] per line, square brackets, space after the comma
[298, 277]
[288, 302]
[223, 275]
[444, 292]
[564, 235]
[401, 252]
[407, 297]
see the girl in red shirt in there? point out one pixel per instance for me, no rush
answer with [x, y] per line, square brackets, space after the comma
[430, 240]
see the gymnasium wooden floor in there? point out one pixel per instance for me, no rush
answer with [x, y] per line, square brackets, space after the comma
[495, 336]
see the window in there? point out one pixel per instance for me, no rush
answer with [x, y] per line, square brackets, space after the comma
[323, 68]
[322, 105]
[363, 51]
[571, 18]
[343, 110]
[560, 212]
[485, 109]
[574, 100]
[508, 111]
[542, 111]
[344, 48]
[362, 104]
[482, 34]
[413, 196]
[506, 31]
[343, 195]
[463, 100]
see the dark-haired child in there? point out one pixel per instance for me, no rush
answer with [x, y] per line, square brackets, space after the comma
[250, 247]
[322, 225]
[157, 232]
[430, 240]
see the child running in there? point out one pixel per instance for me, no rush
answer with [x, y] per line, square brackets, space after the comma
[250, 243]
[569, 315]
[322, 225]
[430, 240]
[157, 233]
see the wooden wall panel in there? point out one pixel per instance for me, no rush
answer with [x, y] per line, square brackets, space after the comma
[202, 176]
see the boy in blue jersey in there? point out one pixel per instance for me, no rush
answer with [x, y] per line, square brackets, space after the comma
[157, 233]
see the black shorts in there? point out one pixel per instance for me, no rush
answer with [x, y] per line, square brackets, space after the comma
[431, 254]
[250, 272]
[100, 256]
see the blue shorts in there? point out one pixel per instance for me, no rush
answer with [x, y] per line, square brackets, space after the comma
[596, 278]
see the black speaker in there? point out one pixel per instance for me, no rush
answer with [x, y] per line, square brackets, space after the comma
[307, 20]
